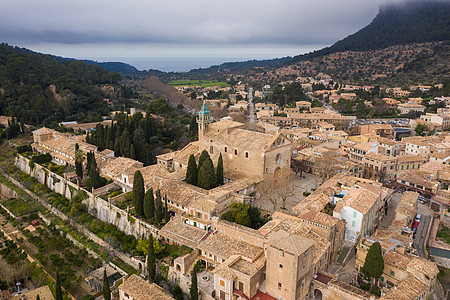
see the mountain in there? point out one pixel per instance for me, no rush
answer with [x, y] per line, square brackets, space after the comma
[120, 67]
[396, 24]
[40, 89]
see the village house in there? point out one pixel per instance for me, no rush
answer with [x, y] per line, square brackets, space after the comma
[405, 108]
[136, 288]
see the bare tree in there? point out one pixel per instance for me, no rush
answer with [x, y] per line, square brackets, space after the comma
[278, 194]
[299, 166]
[324, 165]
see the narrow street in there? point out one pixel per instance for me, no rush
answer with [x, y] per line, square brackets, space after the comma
[421, 235]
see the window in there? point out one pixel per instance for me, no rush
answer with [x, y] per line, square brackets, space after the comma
[246, 154]
[280, 253]
[235, 151]
[354, 214]
[222, 283]
[279, 285]
[226, 149]
[281, 266]
[353, 223]
[278, 158]
[211, 150]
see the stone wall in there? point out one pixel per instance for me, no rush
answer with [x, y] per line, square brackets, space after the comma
[7, 192]
[56, 183]
[99, 208]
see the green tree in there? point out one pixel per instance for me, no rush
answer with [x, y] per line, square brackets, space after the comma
[178, 293]
[193, 127]
[151, 263]
[79, 158]
[193, 291]
[219, 171]
[203, 157]
[166, 210]
[374, 263]
[149, 204]
[106, 289]
[421, 129]
[95, 181]
[158, 207]
[192, 171]
[243, 218]
[38, 298]
[58, 289]
[206, 175]
[138, 193]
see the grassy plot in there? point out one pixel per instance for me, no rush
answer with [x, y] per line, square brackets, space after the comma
[19, 207]
[202, 83]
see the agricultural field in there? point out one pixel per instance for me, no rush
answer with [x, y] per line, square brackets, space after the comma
[201, 83]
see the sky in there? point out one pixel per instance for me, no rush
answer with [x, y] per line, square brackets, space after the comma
[172, 34]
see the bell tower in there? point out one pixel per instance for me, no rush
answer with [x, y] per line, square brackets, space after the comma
[203, 121]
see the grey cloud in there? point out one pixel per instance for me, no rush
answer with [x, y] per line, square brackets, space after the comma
[179, 21]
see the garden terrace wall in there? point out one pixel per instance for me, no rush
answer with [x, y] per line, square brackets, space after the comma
[56, 183]
[105, 189]
[99, 208]
[7, 192]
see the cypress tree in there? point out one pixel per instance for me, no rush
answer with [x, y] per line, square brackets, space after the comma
[203, 157]
[194, 288]
[149, 204]
[192, 171]
[79, 157]
[132, 152]
[219, 172]
[94, 176]
[138, 193]
[166, 210]
[193, 127]
[106, 289]
[58, 290]
[374, 263]
[158, 207]
[206, 175]
[151, 263]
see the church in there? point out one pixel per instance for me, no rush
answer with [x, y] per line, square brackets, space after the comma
[249, 153]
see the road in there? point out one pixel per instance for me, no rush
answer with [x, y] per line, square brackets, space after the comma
[421, 236]
[251, 106]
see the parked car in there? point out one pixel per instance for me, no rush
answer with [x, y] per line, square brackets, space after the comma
[417, 218]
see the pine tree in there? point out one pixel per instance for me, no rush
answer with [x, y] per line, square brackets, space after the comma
[37, 297]
[58, 289]
[158, 207]
[194, 288]
[374, 263]
[219, 171]
[203, 157]
[138, 193]
[149, 204]
[106, 289]
[206, 175]
[192, 171]
[166, 210]
[151, 263]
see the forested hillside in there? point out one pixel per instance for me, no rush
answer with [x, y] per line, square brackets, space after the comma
[396, 24]
[39, 89]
